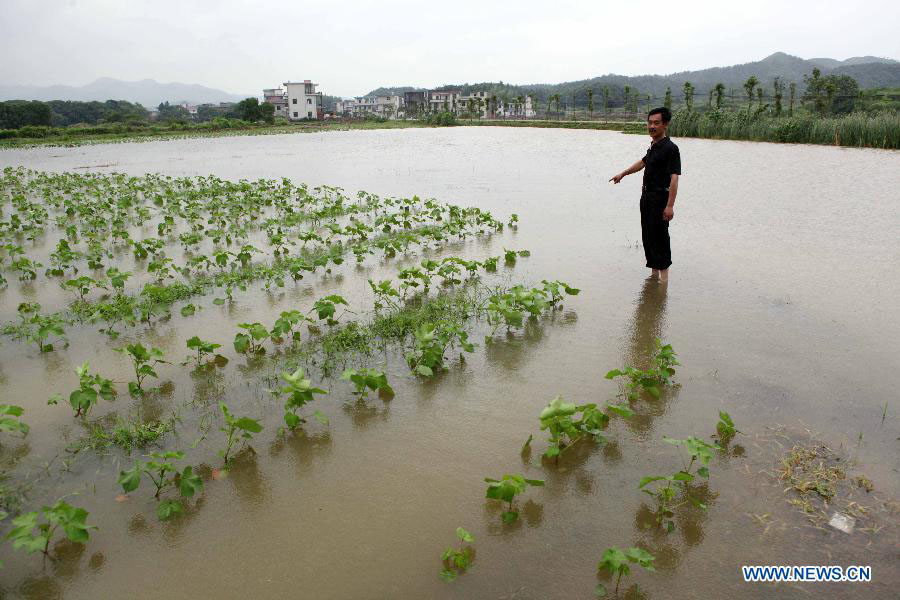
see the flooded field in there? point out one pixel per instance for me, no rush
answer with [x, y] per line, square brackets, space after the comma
[782, 308]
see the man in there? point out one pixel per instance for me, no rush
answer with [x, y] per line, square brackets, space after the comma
[662, 165]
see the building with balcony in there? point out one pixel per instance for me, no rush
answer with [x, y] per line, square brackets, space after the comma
[303, 101]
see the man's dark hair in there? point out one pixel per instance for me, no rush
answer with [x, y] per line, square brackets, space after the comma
[664, 112]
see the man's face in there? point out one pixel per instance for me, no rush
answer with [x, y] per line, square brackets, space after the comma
[655, 125]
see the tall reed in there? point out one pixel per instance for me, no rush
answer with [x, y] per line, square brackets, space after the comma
[856, 129]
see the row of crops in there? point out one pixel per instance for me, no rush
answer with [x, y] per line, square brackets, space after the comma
[114, 256]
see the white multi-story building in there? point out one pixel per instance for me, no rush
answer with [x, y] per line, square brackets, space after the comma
[444, 100]
[303, 101]
[388, 107]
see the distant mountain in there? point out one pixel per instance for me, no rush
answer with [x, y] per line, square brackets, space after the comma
[869, 71]
[147, 92]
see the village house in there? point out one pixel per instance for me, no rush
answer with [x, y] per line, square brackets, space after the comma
[303, 101]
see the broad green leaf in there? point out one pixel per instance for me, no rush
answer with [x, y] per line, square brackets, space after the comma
[130, 479]
[189, 483]
[168, 508]
[464, 535]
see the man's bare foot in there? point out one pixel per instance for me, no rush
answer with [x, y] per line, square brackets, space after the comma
[664, 276]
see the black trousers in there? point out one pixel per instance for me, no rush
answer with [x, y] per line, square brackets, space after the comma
[655, 230]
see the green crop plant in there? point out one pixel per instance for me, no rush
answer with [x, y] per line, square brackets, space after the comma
[81, 286]
[284, 326]
[73, 521]
[510, 307]
[251, 342]
[144, 360]
[510, 256]
[63, 258]
[664, 361]
[490, 264]
[36, 328]
[236, 428]
[632, 381]
[368, 379]
[700, 453]
[325, 308]
[386, 295]
[431, 342]
[117, 279]
[506, 490]
[616, 563]
[457, 560]
[412, 278]
[554, 290]
[161, 470]
[26, 268]
[90, 388]
[202, 348]
[299, 392]
[558, 419]
[9, 419]
[725, 427]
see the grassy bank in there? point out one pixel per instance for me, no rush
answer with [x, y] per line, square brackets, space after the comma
[623, 126]
[858, 130]
[104, 134]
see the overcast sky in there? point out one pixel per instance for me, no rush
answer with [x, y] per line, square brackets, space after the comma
[350, 47]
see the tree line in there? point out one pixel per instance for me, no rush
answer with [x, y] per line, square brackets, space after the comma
[15, 114]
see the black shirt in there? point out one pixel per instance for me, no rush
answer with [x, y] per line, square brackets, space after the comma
[660, 163]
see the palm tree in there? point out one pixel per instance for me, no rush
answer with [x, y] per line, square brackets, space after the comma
[688, 96]
[667, 100]
[749, 85]
[793, 88]
[778, 84]
[626, 95]
[606, 99]
[590, 94]
[720, 93]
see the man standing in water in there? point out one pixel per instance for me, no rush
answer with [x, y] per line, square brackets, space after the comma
[662, 166]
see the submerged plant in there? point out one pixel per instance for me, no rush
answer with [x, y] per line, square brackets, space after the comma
[251, 342]
[73, 521]
[202, 347]
[558, 418]
[299, 391]
[9, 419]
[667, 486]
[632, 380]
[506, 490]
[457, 560]
[725, 427]
[326, 308]
[35, 327]
[236, 428]
[164, 474]
[90, 387]
[616, 563]
[143, 360]
[284, 326]
[368, 379]
[431, 343]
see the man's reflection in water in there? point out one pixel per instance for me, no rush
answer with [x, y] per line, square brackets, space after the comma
[647, 324]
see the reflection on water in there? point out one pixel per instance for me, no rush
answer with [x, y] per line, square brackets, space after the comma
[647, 323]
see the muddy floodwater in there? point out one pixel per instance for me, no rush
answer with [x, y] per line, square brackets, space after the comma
[783, 307]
